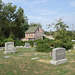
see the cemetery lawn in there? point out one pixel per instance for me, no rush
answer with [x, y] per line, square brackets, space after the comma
[21, 63]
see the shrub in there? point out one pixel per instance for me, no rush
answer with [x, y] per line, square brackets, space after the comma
[44, 47]
[67, 44]
[39, 41]
[1, 43]
[8, 40]
[19, 43]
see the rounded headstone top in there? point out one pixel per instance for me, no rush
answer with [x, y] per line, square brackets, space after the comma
[9, 42]
[58, 48]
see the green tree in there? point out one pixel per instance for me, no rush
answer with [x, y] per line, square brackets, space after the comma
[8, 19]
[61, 35]
[12, 22]
[21, 22]
[36, 24]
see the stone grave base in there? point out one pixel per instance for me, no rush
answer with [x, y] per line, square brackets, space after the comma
[6, 52]
[58, 61]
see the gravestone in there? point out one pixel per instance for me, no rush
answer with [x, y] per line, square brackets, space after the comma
[58, 56]
[21, 46]
[9, 47]
[17, 46]
[6, 56]
[74, 46]
[27, 45]
[35, 58]
[35, 44]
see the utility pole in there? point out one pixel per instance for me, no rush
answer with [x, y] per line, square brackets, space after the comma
[72, 27]
[73, 30]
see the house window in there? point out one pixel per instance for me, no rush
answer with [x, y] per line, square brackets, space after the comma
[37, 30]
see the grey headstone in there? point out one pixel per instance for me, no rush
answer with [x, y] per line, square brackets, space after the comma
[58, 56]
[27, 45]
[9, 47]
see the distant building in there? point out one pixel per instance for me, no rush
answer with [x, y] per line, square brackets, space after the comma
[50, 37]
[33, 33]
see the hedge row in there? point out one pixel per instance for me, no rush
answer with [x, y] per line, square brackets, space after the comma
[45, 45]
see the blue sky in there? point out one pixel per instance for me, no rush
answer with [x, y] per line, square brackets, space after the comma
[47, 11]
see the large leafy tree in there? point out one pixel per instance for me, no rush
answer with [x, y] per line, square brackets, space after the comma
[21, 22]
[1, 19]
[12, 21]
[9, 24]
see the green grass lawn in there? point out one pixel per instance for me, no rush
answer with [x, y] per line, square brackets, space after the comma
[23, 65]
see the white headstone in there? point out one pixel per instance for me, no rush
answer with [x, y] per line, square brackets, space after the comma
[17, 46]
[9, 47]
[58, 56]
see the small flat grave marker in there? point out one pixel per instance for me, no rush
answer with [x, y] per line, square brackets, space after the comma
[20, 55]
[35, 54]
[6, 56]
[45, 57]
[36, 58]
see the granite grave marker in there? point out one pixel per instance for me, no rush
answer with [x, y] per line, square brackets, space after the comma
[58, 56]
[27, 45]
[9, 47]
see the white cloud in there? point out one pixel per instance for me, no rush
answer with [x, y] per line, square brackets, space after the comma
[45, 11]
[43, 20]
[39, 1]
[27, 2]
[68, 19]
[10, 1]
[72, 3]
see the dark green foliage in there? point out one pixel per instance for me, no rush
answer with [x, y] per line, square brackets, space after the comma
[12, 22]
[19, 43]
[31, 43]
[48, 33]
[8, 40]
[39, 41]
[43, 47]
[22, 43]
